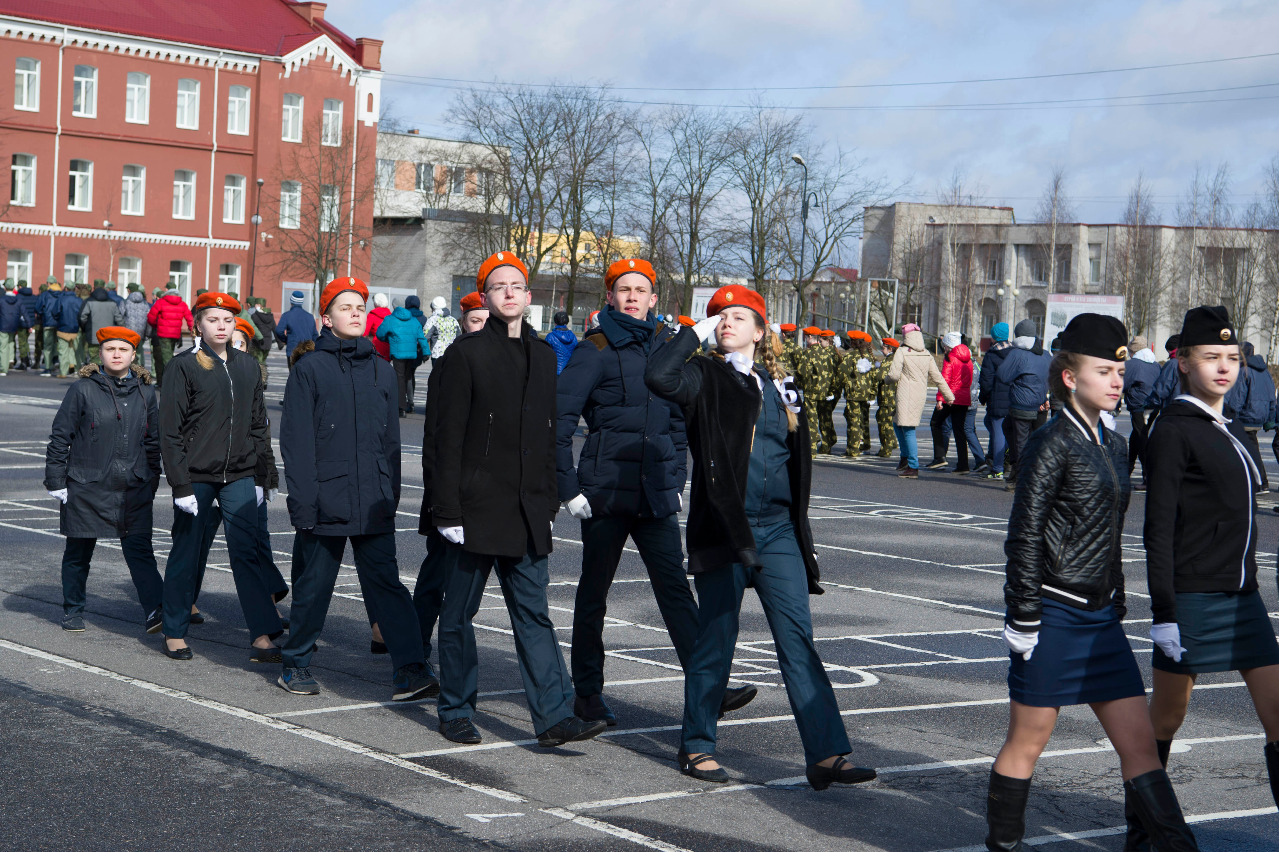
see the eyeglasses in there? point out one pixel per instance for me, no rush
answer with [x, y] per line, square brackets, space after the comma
[516, 289]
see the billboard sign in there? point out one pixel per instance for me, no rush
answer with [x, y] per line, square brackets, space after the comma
[1063, 307]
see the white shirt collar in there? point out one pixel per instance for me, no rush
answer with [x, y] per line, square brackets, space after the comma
[1073, 416]
[1204, 407]
[744, 365]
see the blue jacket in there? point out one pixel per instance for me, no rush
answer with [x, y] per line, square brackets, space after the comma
[296, 327]
[1139, 382]
[29, 301]
[44, 309]
[990, 392]
[404, 335]
[563, 342]
[340, 439]
[635, 456]
[1025, 371]
[115, 297]
[13, 316]
[1258, 406]
[66, 312]
[1167, 386]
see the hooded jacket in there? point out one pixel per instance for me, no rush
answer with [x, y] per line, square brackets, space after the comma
[98, 311]
[1025, 371]
[990, 392]
[264, 321]
[957, 371]
[403, 335]
[913, 369]
[13, 316]
[132, 313]
[46, 309]
[1258, 407]
[167, 316]
[375, 318]
[414, 306]
[29, 301]
[441, 330]
[563, 341]
[340, 439]
[1167, 386]
[66, 312]
[1140, 374]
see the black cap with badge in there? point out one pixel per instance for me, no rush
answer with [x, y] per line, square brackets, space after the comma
[1205, 326]
[1096, 335]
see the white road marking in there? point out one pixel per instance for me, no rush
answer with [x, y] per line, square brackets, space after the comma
[615, 831]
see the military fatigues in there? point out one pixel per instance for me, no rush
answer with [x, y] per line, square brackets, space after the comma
[886, 394]
[858, 380]
[816, 375]
[826, 407]
[790, 353]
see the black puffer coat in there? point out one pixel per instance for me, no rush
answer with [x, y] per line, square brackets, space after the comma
[105, 450]
[1066, 522]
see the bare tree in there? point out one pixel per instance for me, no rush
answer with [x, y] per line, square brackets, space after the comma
[766, 178]
[1055, 209]
[1205, 207]
[1138, 269]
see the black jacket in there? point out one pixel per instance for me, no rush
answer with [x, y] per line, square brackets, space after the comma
[720, 407]
[213, 425]
[1201, 529]
[636, 453]
[340, 439]
[1064, 533]
[265, 321]
[990, 393]
[431, 414]
[495, 442]
[105, 450]
[1167, 386]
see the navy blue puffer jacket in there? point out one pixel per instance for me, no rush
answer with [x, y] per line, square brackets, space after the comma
[1025, 371]
[991, 392]
[1257, 408]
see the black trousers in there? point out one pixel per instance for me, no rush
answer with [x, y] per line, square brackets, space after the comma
[955, 415]
[404, 369]
[658, 541]
[1137, 441]
[1017, 431]
[428, 592]
[138, 555]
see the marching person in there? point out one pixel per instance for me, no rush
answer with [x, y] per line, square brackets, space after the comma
[629, 480]
[403, 334]
[215, 442]
[1201, 540]
[886, 399]
[858, 378]
[167, 316]
[103, 465]
[748, 526]
[66, 314]
[815, 373]
[1065, 594]
[912, 370]
[340, 439]
[493, 493]
[826, 406]
[47, 317]
[98, 311]
[13, 316]
[381, 310]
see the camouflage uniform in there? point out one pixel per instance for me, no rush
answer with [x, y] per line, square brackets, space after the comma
[826, 408]
[816, 374]
[790, 353]
[886, 393]
[858, 378]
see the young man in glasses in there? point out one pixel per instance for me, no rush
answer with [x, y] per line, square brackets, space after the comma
[493, 493]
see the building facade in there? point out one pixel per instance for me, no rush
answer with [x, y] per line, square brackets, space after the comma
[218, 144]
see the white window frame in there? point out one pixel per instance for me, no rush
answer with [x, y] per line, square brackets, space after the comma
[129, 271]
[424, 170]
[229, 283]
[233, 199]
[181, 276]
[237, 110]
[18, 265]
[331, 123]
[330, 209]
[137, 98]
[133, 190]
[26, 84]
[386, 173]
[184, 179]
[290, 204]
[291, 117]
[78, 272]
[188, 104]
[22, 181]
[84, 91]
[454, 174]
[80, 186]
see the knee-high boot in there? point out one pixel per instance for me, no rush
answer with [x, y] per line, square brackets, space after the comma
[1006, 812]
[1157, 808]
[1138, 840]
[1272, 767]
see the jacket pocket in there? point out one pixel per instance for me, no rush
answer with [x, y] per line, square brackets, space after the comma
[333, 500]
[384, 481]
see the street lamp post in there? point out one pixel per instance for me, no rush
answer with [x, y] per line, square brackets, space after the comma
[1009, 294]
[256, 220]
[803, 217]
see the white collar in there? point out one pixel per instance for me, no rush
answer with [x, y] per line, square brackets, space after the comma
[1204, 407]
[744, 365]
[1220, 421]
[1075, 417]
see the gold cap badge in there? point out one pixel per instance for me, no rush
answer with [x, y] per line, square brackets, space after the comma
[500, 256]
[1225, 334]
[631, 264]
[218, 300]
[728, 297]
[1121, 353]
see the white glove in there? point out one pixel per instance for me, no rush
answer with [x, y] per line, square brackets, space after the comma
[1020, 643]
[60, 494]
[272, 493]
[1168, 637]
[579, 507]
[453, 534]
[705, 329]
[261, 495]
[189, 504]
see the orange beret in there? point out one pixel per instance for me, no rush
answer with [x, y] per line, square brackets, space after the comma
[813, 331]
[633, 264]
[688, 321]
[860, 335]
[244, 327]
[502, 258]
[732, 295]
[471, 302]
[117, 332]
[338, 286]
[826, 332]
[216, 300]
[891, 343]
[787, 327]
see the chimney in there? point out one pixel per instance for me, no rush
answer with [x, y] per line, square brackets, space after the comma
[312, 13]
[369, 51]
[414, 132]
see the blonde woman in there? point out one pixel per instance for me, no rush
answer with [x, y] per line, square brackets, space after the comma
[913, 369]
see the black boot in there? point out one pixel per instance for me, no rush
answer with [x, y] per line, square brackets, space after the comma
[1006, 812]
[1138, 840]
[1157, 808]
[1272, 766]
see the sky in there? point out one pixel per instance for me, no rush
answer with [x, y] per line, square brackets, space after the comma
[1220, 111]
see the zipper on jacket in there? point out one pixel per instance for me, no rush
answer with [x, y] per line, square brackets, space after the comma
[230, 431]
[488, 435]
[1114, 505]
[1243, 560]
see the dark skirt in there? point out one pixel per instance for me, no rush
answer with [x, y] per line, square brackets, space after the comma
[1082, 657]
[1221, 632]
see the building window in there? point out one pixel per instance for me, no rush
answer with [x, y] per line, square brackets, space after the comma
[26, 85]
[1063, 275]
[330, 208]
[233, 199]
[19, 266]
[1035, 310]
[291, 120]
[229, 278]
[137, 98]
[458, 183]
[189, 104]
[989, 316]
[1094, 263]
[992, 267]
[290, 204]
[183, 194]
[75, 268]
[180, 276]
[80, 188]
[386, 174]
[22, 184]
[84, 92]
[133, 188]
[425, 181]
[237, 110]
[331, 129]
[130, 271]
[1038, 272]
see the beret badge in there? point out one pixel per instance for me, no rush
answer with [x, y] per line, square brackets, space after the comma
[1225, 334]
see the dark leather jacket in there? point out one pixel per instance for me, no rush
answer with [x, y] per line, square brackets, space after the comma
[1064, 533]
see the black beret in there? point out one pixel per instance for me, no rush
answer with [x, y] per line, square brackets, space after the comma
[1172, 343]
[1205, 326]
[1096, 335]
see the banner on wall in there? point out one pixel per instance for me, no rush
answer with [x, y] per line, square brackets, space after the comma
[1064, 307]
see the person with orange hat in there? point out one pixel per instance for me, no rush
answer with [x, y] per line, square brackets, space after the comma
[815, 374]
[493, 495]
[215, 442]
[748, 526]
[107, 429]
[857, 381]
[885, 399]
[790, 348]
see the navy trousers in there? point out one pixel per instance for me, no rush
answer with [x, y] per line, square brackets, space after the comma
[239, 512]
[138, 555]
[658, 541]
[524, 581]
[782, 585]
[321, 559]
[428, 592]
[266, 558]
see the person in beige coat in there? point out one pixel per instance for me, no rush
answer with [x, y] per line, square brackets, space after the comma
[913, 369]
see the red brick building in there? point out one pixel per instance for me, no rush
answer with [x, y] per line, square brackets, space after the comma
[141, 137]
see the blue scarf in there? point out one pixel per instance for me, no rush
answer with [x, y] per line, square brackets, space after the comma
[622, 329]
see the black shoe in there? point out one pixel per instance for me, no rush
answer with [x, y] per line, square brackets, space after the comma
[984, 467]
[73, 623]
[908, 473]
[1272, 768]
[593, 709]
[570, 730]
[415, 682]
[936, 465]
[1156, 805]
[154, 622]
[460, 731]
[376, 647]
[196, 618]
[180, 654]
[689, 766]
[958, 472]
[736, 699]
[1006, 812]
[820, 777]
[265, 655]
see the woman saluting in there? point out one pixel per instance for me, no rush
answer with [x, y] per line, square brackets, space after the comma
[748, 525]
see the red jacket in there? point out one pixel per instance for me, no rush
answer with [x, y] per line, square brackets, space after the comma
[957, 370]
[167, 315]
[376, 316]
